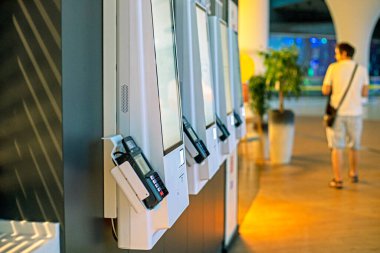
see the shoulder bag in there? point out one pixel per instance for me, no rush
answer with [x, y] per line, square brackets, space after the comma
[330, 111]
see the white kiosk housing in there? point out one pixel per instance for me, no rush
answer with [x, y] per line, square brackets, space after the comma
[196, 89]
[231, 212]
[236, 86]
[148, 108]
[222, 83]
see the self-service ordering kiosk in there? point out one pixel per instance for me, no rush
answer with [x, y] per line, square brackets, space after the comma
[231, 212]
[147, 137]
[228, 86]
[222, 87]
[236, 85]
[200, 129]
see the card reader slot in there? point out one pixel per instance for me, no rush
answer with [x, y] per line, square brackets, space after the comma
[127, 189]
[134, 181]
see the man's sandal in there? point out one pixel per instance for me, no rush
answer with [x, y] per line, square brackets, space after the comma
[336, 184]
[354, 179]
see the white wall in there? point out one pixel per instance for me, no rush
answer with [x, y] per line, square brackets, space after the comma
[253, 29]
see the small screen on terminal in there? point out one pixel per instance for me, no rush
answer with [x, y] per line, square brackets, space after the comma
[142, 164]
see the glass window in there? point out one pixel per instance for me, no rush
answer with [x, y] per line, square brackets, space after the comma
[315, 55]
[204, 50]
[167, 73]
[226, 69]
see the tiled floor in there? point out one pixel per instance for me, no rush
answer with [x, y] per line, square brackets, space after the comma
[295, 211]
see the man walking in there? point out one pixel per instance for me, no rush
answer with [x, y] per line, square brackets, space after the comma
[347, 128]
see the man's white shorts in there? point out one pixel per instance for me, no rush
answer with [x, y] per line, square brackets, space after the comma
[346, 132]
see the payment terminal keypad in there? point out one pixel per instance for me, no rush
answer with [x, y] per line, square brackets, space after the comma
[158, 184]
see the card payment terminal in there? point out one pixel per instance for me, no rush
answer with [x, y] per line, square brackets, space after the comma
[201, 150]
[237, 118]
[222, 128]
[151, 180]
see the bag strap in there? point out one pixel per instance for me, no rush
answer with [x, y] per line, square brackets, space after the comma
[348, 87]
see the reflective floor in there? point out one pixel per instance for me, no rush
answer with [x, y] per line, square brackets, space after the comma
[293, 209]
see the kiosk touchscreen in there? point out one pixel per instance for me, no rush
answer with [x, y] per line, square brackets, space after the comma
[148, 109]
[222, 85]
[203, 43]
[237, 91]
[196, 92]
[228, 84]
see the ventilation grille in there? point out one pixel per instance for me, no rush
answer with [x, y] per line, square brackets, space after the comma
[124, 98]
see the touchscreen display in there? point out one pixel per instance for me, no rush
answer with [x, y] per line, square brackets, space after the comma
[142, 164]
[167, 73]
[237, 76]
[204, 50]
[226, 69]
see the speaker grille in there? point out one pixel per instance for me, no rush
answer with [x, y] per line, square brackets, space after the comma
[124, 98]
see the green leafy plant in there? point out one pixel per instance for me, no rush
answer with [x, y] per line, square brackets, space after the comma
[283, 73]
[258, 94]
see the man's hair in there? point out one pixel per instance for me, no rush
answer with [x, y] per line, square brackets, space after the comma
[343, 46]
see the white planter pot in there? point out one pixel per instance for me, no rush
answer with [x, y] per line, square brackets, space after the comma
[260, 147]
[281, 136]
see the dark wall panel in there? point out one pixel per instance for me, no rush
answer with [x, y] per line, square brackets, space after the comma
[196, 233]
[85, 229]
[215, 200]
[209, 211]
[31, 172]
[176, 237]
[219, 188]
[248, 178]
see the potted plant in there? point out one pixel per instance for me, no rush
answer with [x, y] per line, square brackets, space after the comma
[284, 75]
[259, 105]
